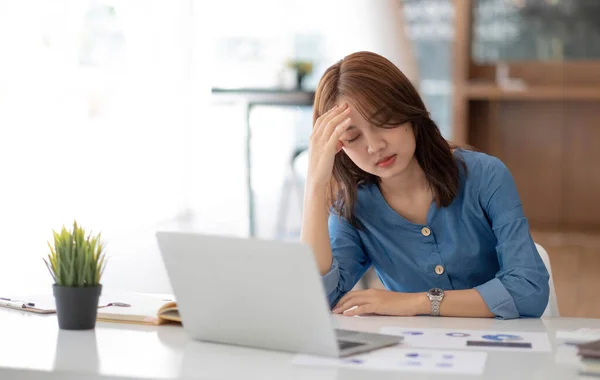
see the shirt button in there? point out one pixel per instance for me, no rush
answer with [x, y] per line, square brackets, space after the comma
[439, 269]
[426, 231]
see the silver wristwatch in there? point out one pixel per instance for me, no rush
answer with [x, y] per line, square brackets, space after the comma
[435, 295]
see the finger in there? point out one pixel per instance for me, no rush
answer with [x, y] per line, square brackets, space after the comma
[364, 309]
[354, 301]
[322, 120]
[334, 121]
[352, 294]
[346, 297]
[339, 146]
[339, 131]
[352, 308]
[327, 120]
[326, 113]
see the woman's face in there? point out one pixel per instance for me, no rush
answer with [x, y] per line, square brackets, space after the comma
[384, 152]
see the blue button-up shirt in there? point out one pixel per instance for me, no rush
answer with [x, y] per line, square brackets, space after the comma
[481, 240]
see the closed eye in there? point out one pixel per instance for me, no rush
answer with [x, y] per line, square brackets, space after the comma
[353, 139]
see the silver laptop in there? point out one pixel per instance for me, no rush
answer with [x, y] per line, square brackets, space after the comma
[256, 293]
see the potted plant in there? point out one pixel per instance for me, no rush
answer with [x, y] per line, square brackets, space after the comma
[76, 263]
[303, 68]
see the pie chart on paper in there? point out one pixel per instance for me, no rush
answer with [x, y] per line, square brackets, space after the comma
[502, 337]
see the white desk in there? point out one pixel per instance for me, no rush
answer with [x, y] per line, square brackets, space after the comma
[32, 347]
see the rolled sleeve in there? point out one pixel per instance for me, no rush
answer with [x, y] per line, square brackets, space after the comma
[349, 259]
[330, 282]
[498, 299]
[521, 287]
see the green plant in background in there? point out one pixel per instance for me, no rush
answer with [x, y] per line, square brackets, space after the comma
[76, 260]
[301, 67]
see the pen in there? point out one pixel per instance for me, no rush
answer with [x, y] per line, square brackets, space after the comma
[13, 304]
[26, 304]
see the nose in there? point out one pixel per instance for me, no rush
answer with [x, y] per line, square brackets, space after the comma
[375, 143]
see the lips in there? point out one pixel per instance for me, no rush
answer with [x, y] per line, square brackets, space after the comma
[384, 159]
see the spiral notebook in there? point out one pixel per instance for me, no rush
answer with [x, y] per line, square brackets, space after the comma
[138, 308]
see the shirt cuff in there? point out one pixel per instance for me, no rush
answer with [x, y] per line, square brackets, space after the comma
[498, 299]
[331, 280]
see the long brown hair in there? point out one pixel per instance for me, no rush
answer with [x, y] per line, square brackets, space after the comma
[385, 97]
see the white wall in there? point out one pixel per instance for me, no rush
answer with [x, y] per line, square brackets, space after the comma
[371, 25]
[161, 156]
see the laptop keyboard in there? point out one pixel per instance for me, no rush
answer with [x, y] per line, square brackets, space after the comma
[345, 333]
[348, 339]
[344, 344]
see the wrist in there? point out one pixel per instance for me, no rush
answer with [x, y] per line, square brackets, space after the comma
[315, 196]
[423, 305]
[316, 188]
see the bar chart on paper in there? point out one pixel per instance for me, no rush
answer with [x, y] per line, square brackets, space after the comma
[471, 339]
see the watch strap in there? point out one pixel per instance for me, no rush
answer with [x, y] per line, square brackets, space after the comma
[435, 306]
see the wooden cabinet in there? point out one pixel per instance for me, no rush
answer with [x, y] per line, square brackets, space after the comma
[541, 118]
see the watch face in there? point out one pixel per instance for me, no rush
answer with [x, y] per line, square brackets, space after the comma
[436, 292]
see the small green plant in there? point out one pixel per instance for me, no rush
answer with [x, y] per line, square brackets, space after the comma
[302, 67]
[76, 260]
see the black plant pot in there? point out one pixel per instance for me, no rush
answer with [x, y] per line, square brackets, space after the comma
[299, 80]
[77, 307]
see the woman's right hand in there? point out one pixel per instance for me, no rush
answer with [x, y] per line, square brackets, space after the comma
[325, 144]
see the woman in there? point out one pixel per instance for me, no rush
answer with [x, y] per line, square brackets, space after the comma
[443, 227]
